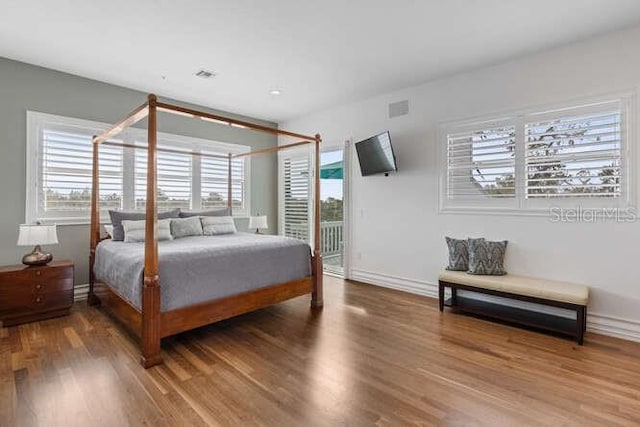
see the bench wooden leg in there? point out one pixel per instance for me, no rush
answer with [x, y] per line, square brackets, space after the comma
[581, 322]
[454, 296]
[441, 295]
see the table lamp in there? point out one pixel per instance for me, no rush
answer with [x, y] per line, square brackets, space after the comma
[36, 235]
[258, 222]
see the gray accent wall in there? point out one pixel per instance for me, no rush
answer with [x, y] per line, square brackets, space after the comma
[26, 87]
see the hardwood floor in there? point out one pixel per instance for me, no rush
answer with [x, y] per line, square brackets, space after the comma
[372, 357]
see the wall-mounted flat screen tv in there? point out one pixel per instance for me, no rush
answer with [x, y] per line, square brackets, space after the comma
[376, 155]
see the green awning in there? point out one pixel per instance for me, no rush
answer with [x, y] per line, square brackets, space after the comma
[331, 170]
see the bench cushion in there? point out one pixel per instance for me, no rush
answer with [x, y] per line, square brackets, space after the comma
[521, 285]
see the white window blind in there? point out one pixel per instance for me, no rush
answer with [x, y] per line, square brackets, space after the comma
[214, 174]
[67, 172]
[174, 180]
[481, 163]
[574, 154]
[571, 156]
[59, 172]
[295, 212]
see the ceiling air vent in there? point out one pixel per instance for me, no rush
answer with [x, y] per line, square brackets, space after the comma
[205, 74]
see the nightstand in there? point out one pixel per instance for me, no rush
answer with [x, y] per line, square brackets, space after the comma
[35, 293]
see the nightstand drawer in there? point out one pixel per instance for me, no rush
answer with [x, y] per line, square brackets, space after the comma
[36, 307]
[42, 286]
[35, 302]
[37, 274]
[16, 291]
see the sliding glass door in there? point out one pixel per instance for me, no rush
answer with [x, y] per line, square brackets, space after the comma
[332, 209]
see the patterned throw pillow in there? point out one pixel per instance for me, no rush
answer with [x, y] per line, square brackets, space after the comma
[458, 254]
[487, 258]
[183, 227]
[213, 225]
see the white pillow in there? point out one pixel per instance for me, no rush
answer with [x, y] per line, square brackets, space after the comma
[184, 227]
[134, 230]
[212, 225]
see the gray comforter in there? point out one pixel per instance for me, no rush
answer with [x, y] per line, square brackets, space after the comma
[202, 268]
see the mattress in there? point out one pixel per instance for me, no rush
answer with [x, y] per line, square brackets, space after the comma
[202, 268]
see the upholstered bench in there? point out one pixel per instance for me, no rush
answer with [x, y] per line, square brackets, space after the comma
[548, 292]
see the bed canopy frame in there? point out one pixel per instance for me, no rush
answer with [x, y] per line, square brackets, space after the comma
[150, 323]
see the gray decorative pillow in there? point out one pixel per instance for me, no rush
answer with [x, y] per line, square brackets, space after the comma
[118, 216]
[183, 227]
[212, 225]
[458, 254]
[213, 212]
[134, 231]
[487, 258]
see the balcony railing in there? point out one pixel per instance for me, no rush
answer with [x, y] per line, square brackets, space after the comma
[331, 236]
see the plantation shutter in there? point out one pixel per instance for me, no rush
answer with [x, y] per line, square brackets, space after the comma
[574, 153]
[174, 180]
[214, 176]
[481, 163]
[296, 196]
[66, 174]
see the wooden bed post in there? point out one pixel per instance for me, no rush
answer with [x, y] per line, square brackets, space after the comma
[151, 290]
[316, 295]
[229, 187]
[94, 228]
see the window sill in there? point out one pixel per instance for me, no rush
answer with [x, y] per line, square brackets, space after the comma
[555, 213]
[62, 222]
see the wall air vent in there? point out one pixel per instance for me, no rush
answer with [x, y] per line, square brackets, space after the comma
[205, 74]
[399, 108]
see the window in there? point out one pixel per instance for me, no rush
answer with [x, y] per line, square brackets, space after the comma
[481, 163]
[174, 180]
[576, 154]
[59, 170]
[533, 161]
[214, 190]
[66, 173]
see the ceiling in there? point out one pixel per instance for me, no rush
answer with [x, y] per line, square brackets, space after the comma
[319, 53]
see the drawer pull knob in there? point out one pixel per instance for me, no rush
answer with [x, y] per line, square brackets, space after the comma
[38, 300]
[38, 273]
[38, 286]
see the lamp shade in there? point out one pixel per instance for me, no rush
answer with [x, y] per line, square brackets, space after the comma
[258, 221]
[31, 235]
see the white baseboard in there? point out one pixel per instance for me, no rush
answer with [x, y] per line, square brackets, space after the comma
[80, 292]
[399, 283]
[626, 329]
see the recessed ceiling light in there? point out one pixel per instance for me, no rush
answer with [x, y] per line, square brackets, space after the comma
[205, 74]
[275, 92]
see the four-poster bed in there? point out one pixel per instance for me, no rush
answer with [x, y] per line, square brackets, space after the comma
[148, 320]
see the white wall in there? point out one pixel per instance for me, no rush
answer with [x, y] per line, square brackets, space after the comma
[398, 233]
